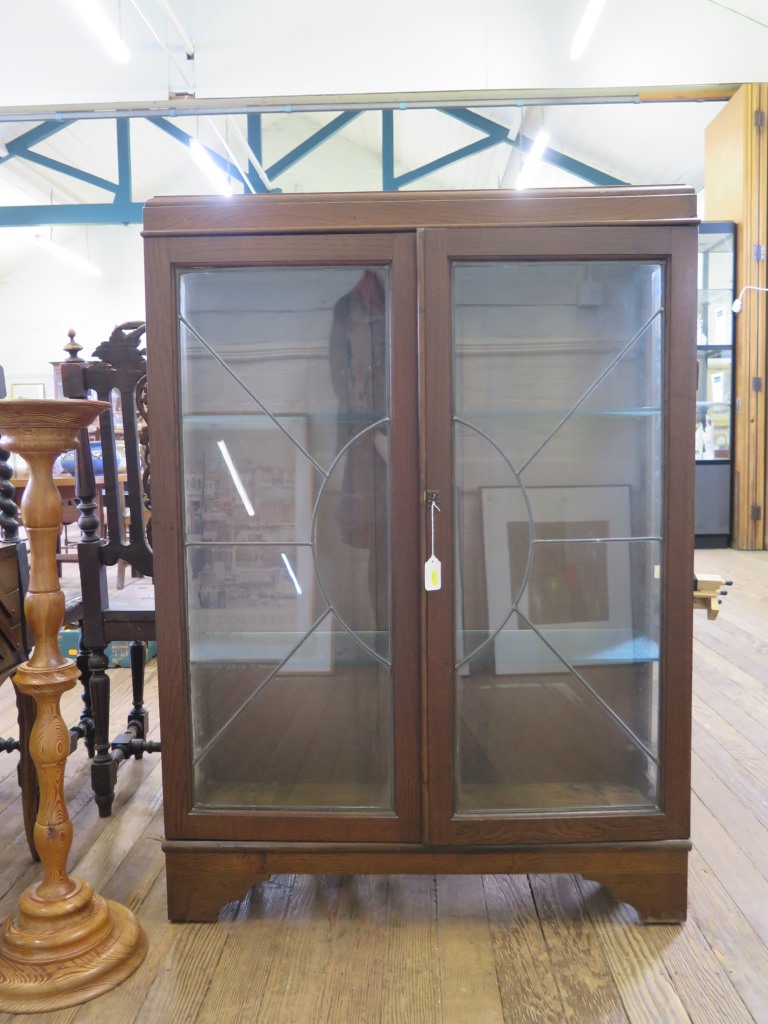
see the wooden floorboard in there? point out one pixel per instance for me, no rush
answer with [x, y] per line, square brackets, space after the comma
[452, 949]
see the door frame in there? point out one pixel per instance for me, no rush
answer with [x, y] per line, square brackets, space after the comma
[676, 250]
[166, 257]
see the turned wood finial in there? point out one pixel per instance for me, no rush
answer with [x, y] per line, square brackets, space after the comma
[73, 348]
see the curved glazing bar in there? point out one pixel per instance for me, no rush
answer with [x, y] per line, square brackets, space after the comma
[326, 474]
[384, 421]
[228, 369]
[526, 574]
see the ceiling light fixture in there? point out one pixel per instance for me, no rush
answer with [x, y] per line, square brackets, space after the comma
[586, 27]
[236, 480]
[186, 42]
[215, 175]
[97, 21]
[532, 160]
[67, 256]
[291, 573]
[738, 304]
[164, 45]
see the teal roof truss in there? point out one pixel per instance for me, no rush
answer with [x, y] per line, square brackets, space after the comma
[119, 207]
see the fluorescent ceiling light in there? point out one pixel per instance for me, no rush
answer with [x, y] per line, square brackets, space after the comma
[97, 21]
[236, 478]
[189, 46]
[586, 27]
[215, 175]
[532, 160]
[67, 256]
[290, 571]
[164, 45]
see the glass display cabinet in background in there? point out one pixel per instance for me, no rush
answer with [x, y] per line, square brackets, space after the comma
[713, 434]
[422, 509]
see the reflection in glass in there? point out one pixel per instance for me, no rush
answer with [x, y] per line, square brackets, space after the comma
[558, 546]
[535, 738]
[712, 433]
[285, 406]
[302, 737]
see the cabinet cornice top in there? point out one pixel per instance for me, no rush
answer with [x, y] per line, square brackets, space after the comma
[406, 211]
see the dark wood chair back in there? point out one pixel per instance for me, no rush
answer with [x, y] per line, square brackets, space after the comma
[115, 482]
[117, 370]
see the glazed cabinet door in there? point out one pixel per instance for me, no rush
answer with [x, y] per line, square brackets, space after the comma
[558, 708]
[285, 370]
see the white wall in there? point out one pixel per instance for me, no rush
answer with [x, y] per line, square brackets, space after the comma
[41, 298]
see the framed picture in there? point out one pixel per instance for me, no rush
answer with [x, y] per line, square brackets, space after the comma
[251, 582]
[28, 389]
[561, 571]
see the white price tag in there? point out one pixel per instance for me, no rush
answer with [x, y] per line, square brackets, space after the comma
[432, 578]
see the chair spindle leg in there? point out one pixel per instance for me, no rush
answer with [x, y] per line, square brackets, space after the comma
[138, 716]
[103, 767]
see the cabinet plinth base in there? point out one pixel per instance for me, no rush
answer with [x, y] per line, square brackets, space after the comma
[203, 876]
[63, 953]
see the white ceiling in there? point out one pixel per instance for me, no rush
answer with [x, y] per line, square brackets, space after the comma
[247, 49]
[500, 57]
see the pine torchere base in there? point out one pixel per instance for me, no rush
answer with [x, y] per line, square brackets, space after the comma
[62, 953]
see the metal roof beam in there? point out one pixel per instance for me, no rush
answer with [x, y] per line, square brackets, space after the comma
[310, 144]
[69, 171]
[71, 213]
[495, 134]
[121, 209]
[185, 138]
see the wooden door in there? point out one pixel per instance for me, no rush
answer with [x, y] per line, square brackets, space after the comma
[559, 377]
[286, 537]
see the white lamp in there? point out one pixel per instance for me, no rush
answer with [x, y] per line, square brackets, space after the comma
[738, 305]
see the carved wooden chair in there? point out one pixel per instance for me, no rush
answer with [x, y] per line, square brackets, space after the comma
[118, 366]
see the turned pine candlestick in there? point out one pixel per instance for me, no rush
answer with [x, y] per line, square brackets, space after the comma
[65, 944]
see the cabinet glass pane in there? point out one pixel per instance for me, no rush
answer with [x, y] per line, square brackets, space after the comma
[714, 340]
[285, 413]
[558, 477]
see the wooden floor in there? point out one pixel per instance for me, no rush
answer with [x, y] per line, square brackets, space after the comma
[454, 949]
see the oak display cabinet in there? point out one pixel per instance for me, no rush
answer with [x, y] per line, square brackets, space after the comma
[346, 385]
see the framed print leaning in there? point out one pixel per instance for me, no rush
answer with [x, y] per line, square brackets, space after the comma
[561, 573]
